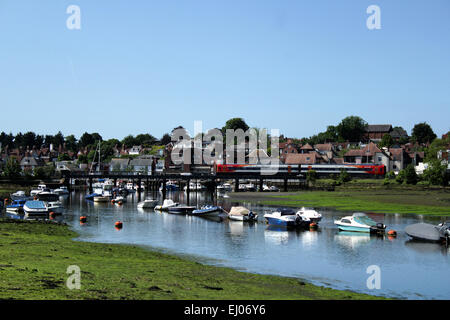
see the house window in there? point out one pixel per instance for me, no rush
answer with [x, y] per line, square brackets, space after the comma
[379, 159]
[307, 158]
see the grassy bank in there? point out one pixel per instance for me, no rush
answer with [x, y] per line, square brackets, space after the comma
[35, 255]
[426, 202]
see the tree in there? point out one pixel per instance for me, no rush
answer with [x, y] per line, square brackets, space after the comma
[58, 139]
[146, 140]
[165, 139]
[86, 139]
[422, 133]
[344, 176]
[437, 145]
[71, 143]
[311, 176]
[64, 157]
[410, 174]
[235, 123]
[386, 141]
[352, 128]
[129, 141]
[82, 159]
[29, 140]
[12, 168]
[436, 173]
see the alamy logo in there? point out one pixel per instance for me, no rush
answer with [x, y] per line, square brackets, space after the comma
[74, 280]
[73, 22]
[374, 281]
[373, 21]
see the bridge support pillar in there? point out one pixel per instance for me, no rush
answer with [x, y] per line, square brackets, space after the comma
[164, 189]
[90, 186]
[236, 185]
[261, 185]
[139, 189]
[188, 191]
[285, 184]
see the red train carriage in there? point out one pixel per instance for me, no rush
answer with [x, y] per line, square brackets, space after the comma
[321, 169]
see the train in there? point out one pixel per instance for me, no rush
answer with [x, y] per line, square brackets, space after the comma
[368, 170]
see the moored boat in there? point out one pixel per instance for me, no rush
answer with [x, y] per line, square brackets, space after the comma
[16, 206]
[18, 195]
[55, 207]
[180, 209]
[359, 222]
[207, 210]
[61, 190]
[35, 208]
[429, 232]
[311, 214]
[166, 205]
[242, 214]
[286, 218]
[147, 204]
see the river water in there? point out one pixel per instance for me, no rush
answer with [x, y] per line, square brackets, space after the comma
[408, 270]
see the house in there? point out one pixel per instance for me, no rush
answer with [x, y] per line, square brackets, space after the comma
[30, 163]
[135, 150]
[398, 133]
[326, 150]
[306, 148]
[368, 154]
[67, 166]
[300, 158]
[119, 164]
[143, 164]
[375, 132]
[287, 148]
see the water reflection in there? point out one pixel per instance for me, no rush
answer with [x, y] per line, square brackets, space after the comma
[323, 256]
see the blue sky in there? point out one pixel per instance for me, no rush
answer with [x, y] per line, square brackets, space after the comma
[149, 66]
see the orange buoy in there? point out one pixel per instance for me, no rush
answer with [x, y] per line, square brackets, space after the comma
[51, 214]
[83, 219]
[6, 201]
[392, 233]
[120, 203]
[118, 224]
[313, 225]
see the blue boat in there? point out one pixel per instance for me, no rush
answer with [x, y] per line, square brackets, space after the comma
[286, 218]
[207, 211]
[35, 207]
[16, 206]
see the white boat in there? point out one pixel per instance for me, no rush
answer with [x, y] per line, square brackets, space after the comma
[35, 207]
[147, 204]
[119, 199]
[359, 222]
[311, 214]
[224, 187]
[39, 189]
[18, 195]
[286, 218]
[55, 206]
[102, 198]
[195, 186]
[242, 214]
[166, 205]
[61, 190]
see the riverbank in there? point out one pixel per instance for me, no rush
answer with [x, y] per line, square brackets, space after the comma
[403, 201]
[35, 256]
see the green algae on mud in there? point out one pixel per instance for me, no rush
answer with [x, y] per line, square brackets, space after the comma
[429, 202]
[35, 256]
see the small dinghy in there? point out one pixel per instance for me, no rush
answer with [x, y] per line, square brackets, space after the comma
[359, 222]
[242, 214]
[429, 232]
[147, 204]
[207, 210]
[166, 205]
[181, 209]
